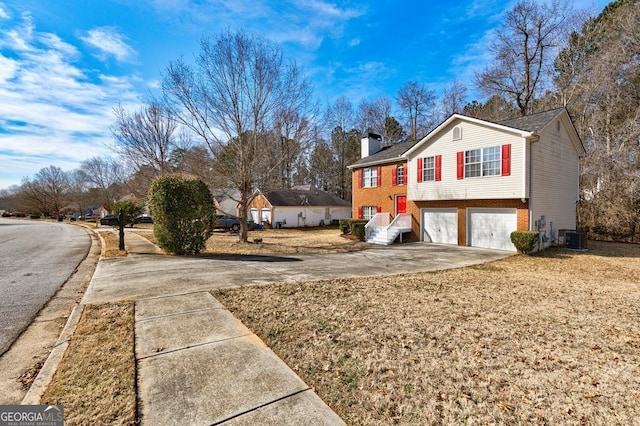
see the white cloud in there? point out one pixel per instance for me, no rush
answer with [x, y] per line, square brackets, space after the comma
[3, 12]
[53, 112]
[109, 43]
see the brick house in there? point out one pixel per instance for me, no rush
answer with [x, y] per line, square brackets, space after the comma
[297, 207]
[472, 182]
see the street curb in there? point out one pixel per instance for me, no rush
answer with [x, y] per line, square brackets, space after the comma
[50, 366]
[44, 377]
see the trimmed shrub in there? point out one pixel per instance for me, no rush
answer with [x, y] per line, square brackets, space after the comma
[357, 227]
[130, 211]
[183, 213]
[344, 226]
[524, 241]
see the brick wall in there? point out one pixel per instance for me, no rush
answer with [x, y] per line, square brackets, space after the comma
[383, 195]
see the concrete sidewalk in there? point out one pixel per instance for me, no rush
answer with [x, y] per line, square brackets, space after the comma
[199, 365]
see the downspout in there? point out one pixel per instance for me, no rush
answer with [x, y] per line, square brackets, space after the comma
[534, 138]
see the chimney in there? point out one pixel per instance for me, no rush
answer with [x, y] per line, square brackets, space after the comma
[370, 145]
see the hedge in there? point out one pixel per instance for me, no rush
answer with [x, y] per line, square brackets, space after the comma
[183, 213]
[524, 241]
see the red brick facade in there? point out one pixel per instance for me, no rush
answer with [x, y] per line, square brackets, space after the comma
[382, 196]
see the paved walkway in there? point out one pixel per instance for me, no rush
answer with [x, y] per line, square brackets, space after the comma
[198, 364]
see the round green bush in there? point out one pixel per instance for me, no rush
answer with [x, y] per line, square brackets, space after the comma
[183, 213]
[524, 241]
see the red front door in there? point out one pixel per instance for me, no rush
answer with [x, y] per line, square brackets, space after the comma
[401, 204]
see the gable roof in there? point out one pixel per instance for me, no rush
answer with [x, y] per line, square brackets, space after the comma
[386, 155]
[533, 122]
[302, 197]
[526, 127]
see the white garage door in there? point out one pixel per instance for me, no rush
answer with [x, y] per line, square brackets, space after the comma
[440, 225]
[492, 228]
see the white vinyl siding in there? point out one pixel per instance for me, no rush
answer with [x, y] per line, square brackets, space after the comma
[555, 183]
[476, 137]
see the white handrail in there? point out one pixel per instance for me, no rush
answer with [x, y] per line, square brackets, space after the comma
[379, 220]
[403, 220]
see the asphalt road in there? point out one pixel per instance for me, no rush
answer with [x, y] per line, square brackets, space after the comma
[36, 258]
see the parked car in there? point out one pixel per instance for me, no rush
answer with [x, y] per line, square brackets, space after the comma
[144, 219]
[227, 223]
[110, 220]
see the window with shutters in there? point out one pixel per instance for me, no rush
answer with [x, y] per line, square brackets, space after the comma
[400, 174]
[482, 162]
[369, 212]
[370, 177]
[428, 169]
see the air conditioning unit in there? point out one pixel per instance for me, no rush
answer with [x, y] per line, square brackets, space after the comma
[576, 240]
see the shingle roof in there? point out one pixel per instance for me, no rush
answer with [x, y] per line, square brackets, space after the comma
[533, 122]
[387, 153]
[300, 197]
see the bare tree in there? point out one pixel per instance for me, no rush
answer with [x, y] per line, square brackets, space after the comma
[230, 99]
[147, 138]
[453, 98]
[597, 74]
[48, 192]
[105, 175]
[523, 51]
[418, 106]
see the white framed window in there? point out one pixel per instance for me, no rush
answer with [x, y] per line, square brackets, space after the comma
[370, 177]
[369, 212]
[482, 162]
[429, 169]
[400, 175]
[491, 161]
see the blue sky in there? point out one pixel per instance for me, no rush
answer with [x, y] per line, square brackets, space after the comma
[65, 64]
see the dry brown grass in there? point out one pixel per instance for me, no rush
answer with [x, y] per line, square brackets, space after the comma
[549, 339]
[95, 382]
[277, 241]
[111, 244]
[283, 241]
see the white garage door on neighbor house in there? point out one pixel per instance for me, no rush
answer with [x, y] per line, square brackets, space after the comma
[440, 225]
[491, 228]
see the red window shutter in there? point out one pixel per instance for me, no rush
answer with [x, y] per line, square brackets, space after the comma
[419, 169]
[460, 163]
[378, 209]
[360, 212]
[379, 183]
[506, 160]
[438, 167]
[359, 173]
[394, 176]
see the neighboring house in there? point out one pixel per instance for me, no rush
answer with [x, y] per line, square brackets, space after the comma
[472, 182]
[227, 203]
[297, 207]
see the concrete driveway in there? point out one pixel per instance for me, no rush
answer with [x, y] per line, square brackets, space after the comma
[147, 273]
